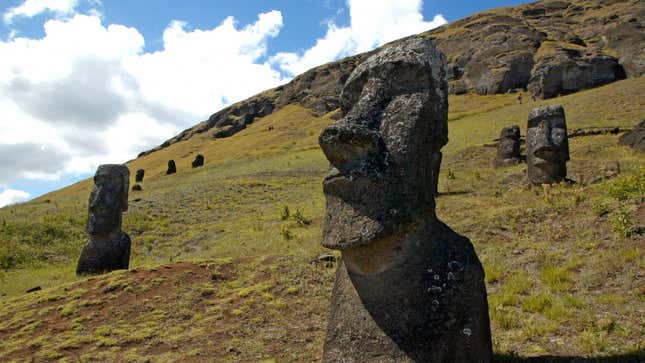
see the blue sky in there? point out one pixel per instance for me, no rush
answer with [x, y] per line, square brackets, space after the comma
[86, 82]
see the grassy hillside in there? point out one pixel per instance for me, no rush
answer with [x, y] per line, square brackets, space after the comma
[564, 269]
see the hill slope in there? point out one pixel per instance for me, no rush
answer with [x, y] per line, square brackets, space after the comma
[564, 271]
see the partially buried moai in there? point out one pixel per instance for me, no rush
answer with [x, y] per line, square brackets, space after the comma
[508, 149]
[108, 247]
[547, 145]
[199, 161]
[139, 176]
[172, 168]
[408, 288]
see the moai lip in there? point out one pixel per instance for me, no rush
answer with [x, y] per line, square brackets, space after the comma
[408, 288]
[108, 247]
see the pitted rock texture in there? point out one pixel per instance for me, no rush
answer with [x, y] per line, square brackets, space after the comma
[199, 161]
[408, 289]
[172, 168]
[635, 138]
[549, 47]
[108, 247]
[547, 145]
[139, 176]
[508, 149]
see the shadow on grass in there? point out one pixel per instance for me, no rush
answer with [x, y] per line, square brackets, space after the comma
[457, 192]
[633, 357]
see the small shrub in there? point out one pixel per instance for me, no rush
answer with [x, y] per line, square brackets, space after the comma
[300, 219]
[628, 187]
[622, 223]
[451, 175]
[557, 278]
[285, 213]
[600, 208]
[536, 303]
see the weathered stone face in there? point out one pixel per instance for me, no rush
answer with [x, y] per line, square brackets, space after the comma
[108, 199]
[547, 145]
[508, 149]
[408, 288]
[383, 152]
[108, 247]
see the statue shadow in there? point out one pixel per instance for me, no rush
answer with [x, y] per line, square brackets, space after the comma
[456, 192]
[632, 357]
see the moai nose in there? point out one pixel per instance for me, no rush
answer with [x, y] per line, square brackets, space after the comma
[345, 145]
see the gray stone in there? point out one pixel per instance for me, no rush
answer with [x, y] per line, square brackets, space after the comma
[547, 145]
[635, 138]
[199, 161]
[172, 168]
[508, 149]
[408, 288]
[108, 247]
[139, 177]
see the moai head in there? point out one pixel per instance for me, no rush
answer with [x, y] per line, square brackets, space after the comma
[547, 146]
[172, 168]
[509, 143]
[108, 200]
[384, 150]
[140, 175]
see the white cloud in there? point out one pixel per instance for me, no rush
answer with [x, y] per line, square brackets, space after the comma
[372, 24]
[11, 196]
[86, 93]
[31, 8]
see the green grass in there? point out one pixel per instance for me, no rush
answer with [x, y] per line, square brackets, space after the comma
[554, 264]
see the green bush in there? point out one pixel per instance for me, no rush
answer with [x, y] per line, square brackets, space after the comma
[628, 187]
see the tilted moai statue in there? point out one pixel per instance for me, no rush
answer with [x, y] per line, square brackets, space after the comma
[408, 288]
[172, 168]
[199, 161]
[508, 149]
[547, 145]
[109, 247]
[139, 176]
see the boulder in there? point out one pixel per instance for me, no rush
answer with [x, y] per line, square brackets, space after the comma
[635, 138]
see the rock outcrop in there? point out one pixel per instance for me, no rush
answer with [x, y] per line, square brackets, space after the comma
[408, 288]
[635, 138]
[547, 145]
[108, 247]
[508, 149]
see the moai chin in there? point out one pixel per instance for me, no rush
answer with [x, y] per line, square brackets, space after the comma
[547, 145]
[508, 149]
[408, 288]
[108, 247]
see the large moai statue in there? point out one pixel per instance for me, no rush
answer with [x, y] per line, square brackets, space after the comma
[139, 176]
[408, 288]
[108, 247]
[172, 168]
[508, 149]
[547, 145]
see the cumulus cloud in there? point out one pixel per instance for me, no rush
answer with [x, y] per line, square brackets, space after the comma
[12, 196]
[372, 23]
[31, 8]
[86, 93]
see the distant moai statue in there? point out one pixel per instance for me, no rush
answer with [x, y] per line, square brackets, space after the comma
[408, 288]
[172, 168]
[139, 176]
[508, 149]
[199, 161]
[547, 145]
[108, 247]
